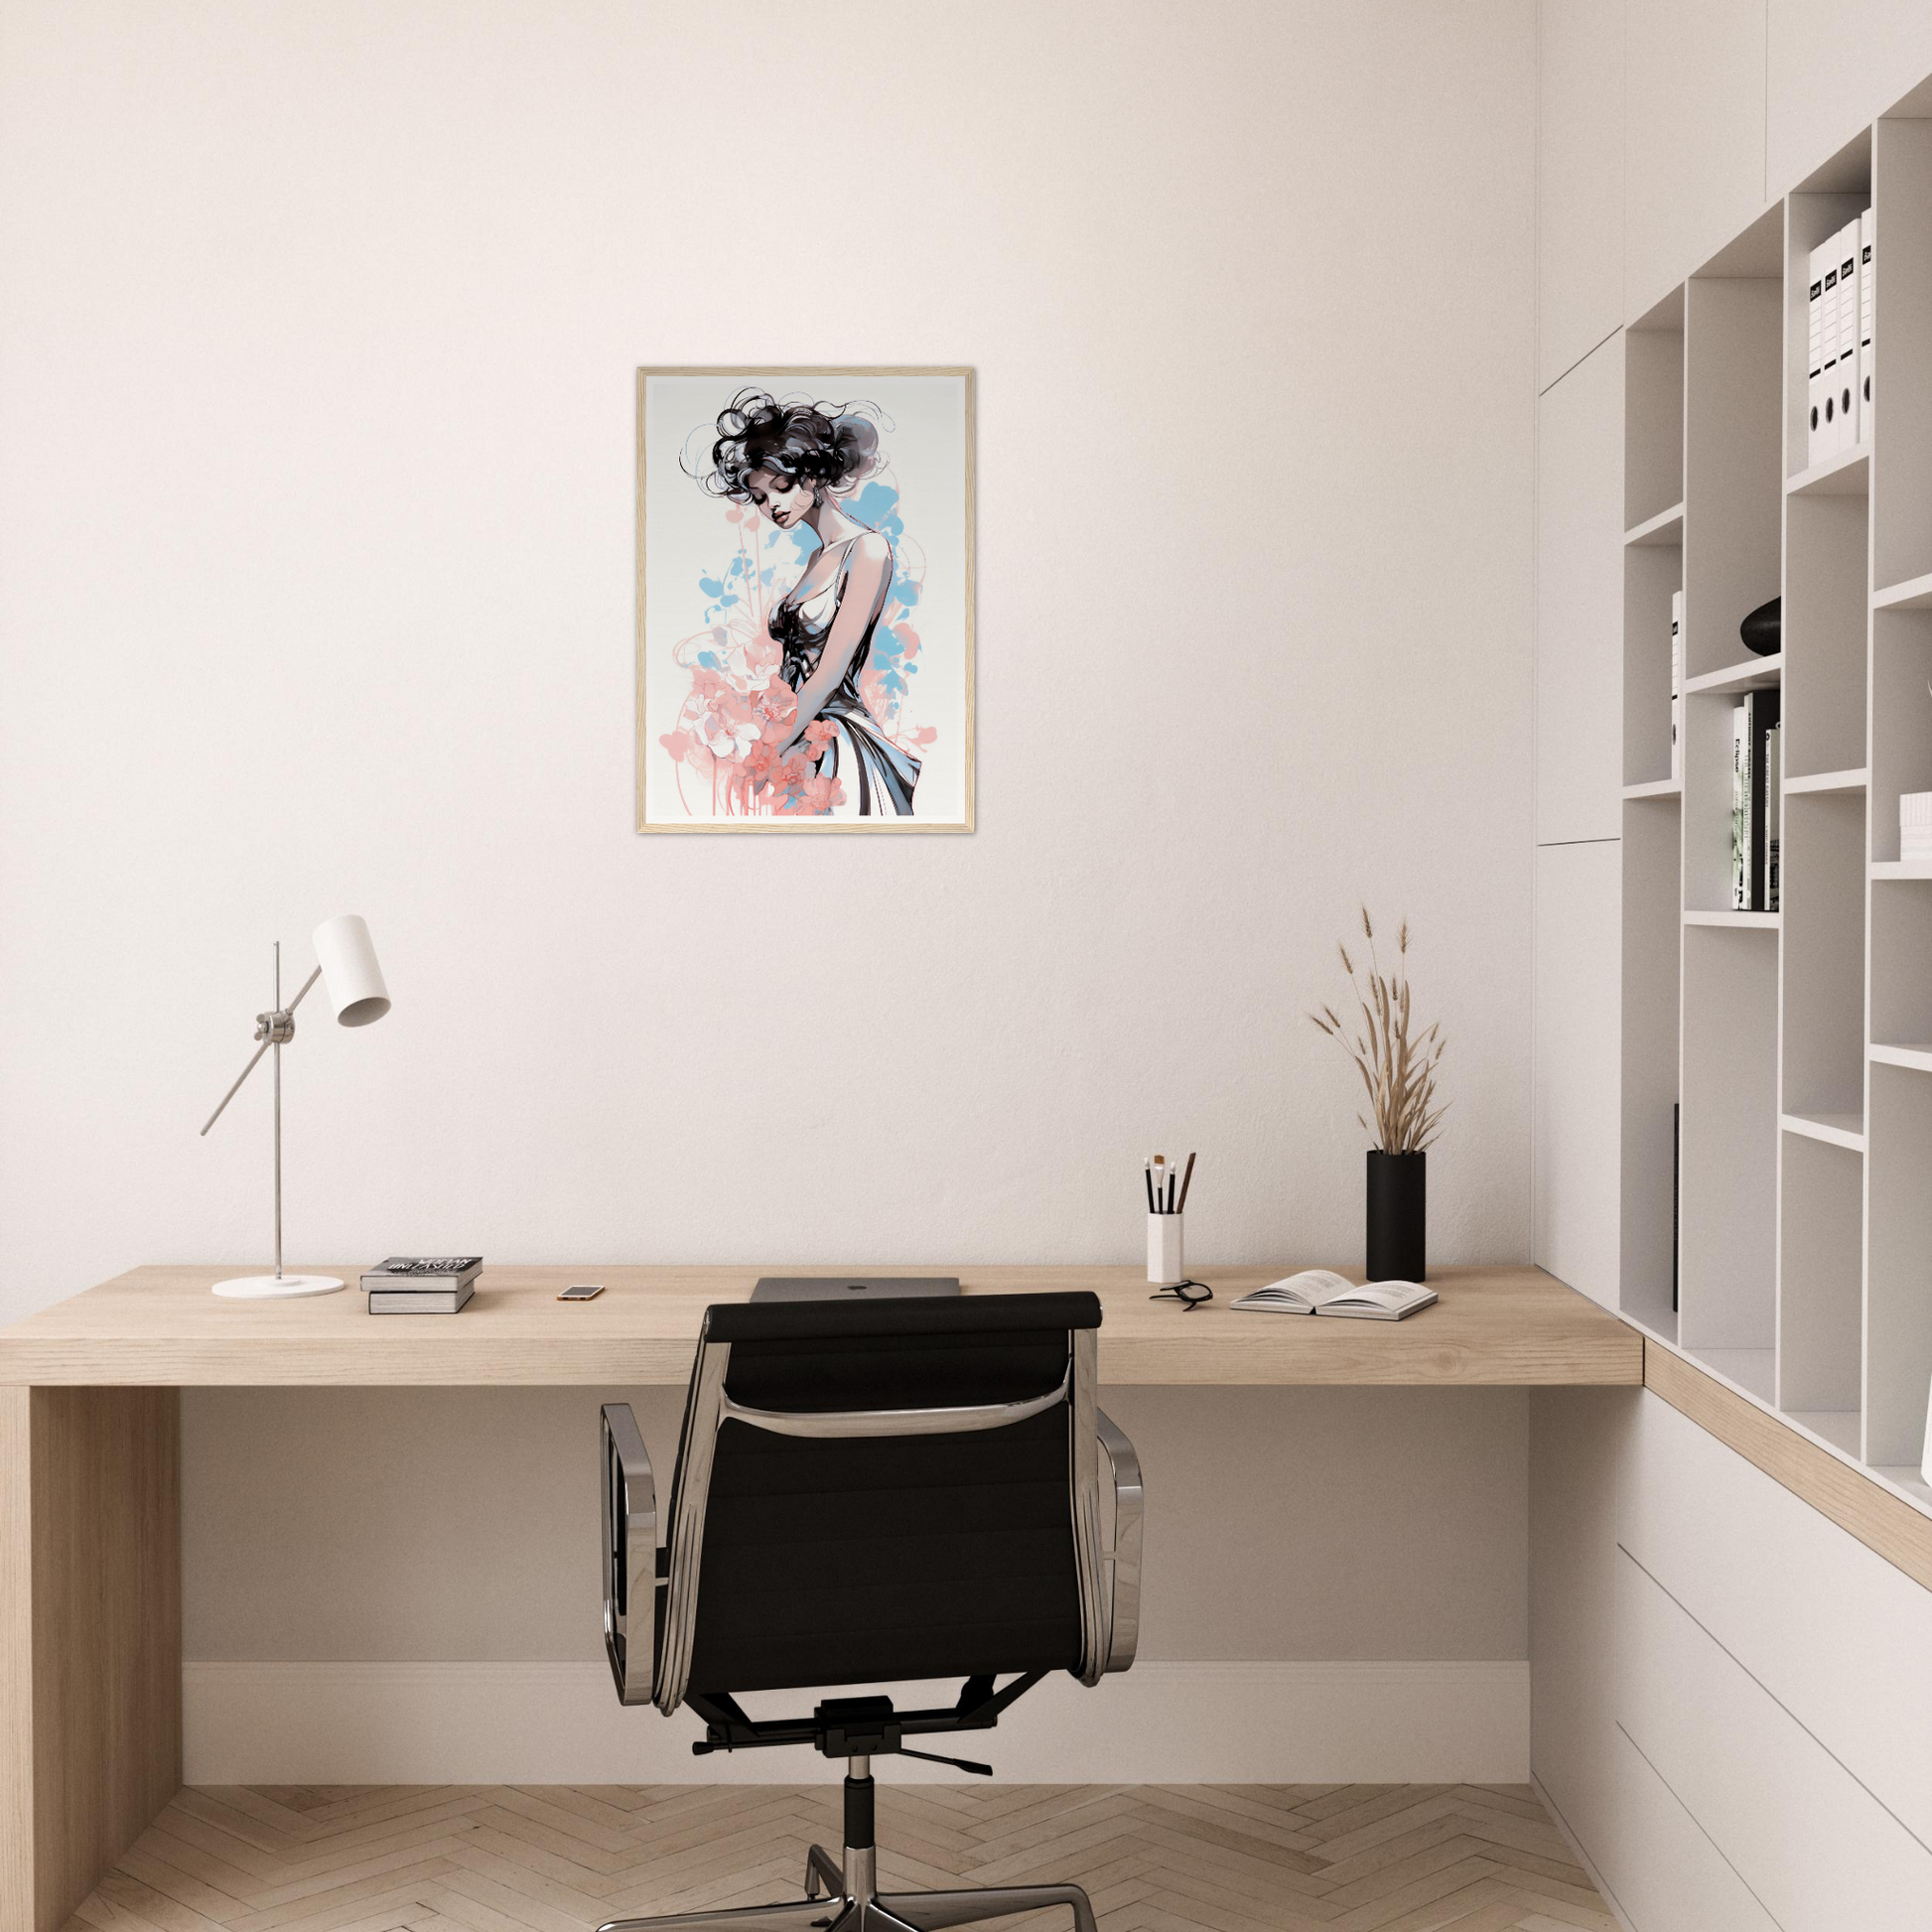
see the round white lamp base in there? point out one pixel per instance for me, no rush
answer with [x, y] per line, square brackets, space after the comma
[276, 1287]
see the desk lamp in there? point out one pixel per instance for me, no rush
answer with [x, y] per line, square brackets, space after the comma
[352, 982]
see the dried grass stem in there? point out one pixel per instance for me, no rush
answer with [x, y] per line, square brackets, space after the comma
[1398, 1066]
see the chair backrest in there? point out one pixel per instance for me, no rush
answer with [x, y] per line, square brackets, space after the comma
[885, 1492]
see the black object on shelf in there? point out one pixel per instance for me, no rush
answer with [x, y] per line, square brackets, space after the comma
[1763, 630]
[1676, 1192]
[1398, 1216]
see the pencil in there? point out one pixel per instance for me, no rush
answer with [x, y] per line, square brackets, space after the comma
[1147, 1176]
[1186, 1181]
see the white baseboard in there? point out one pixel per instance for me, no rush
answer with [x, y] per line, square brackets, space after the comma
[561, 1724]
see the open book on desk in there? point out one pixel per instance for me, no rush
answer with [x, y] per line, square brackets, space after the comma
[1320, 1291]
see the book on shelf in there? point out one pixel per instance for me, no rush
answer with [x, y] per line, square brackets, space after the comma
[420, 1301]
[1677, 687]
[1320, 1291]
[1751, 722]
[1676, 1193]
[1868, 300]
[1740, 810]
[1773, 808]
[423, 1274]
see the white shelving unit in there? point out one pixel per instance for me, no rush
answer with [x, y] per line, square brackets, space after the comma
[1797, 1043]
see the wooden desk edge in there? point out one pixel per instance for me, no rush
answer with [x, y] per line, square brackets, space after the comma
[1562, 1339]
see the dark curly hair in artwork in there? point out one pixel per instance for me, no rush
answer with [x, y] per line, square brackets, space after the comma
[831, 444]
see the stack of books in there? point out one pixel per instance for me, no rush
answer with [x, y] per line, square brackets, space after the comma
[422, 1284]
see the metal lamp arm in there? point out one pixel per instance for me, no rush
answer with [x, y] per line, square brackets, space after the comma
[272, 1030]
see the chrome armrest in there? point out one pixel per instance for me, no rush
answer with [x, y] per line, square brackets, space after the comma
[1124, 1559]
[629, 1555]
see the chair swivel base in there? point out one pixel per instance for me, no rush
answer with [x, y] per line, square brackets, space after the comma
[849, 1904]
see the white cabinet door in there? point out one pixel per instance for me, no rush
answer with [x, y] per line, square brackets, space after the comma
[1579, 180]
[1693, 137]
[1574, 1114]
[1833, 65]
[1580, 602]
[1818, 1851]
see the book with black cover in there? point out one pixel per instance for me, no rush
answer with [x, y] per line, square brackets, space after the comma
[413, 1273]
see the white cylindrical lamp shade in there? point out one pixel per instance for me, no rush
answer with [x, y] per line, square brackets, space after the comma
[349, 974]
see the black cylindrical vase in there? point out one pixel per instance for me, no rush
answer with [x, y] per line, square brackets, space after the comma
[1398, 1216]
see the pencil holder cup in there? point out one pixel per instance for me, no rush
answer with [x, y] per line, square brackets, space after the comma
[1164, 1249]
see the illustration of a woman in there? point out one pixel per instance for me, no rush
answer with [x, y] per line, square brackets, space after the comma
[793, 460]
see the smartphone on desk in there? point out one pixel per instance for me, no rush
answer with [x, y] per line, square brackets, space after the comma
[581, 1292]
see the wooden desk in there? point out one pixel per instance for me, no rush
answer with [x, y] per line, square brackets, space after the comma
[90, 1461]
[161, 1327]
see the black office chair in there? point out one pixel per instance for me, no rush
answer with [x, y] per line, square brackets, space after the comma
[866, 1494]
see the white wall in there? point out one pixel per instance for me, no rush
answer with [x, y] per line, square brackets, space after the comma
[316, 448]
[317, 340]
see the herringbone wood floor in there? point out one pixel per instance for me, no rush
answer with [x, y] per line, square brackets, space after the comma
[561, 1858]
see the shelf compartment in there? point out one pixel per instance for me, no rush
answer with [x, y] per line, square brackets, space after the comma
[1653, 938]
[1708, 719]
[1902, 462]
[1653, 414]
[1902, 719]
[1902, 964]
[1814, 214]
[1835, 1130]
[1898, 1296]
[1846, 475]
[1825, 781]
[1915, 593]
[1650, 577]
[1753, 675]
[1734, 472]
[1664, 531]
[1821, 1257]
[1826, 576]
[1823, 921]
[1729, 1259]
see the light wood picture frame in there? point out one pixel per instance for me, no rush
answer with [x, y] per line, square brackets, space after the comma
[804, 658]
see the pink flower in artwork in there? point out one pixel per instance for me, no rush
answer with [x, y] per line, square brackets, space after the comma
[727, 736]
[778, 704]
[819, 734]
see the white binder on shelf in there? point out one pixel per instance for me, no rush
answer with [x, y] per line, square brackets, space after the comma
[1865, 305]
[1817, 311]
[1828, 436]
[1848, 335]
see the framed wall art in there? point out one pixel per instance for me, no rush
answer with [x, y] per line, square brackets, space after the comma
[805, 600]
